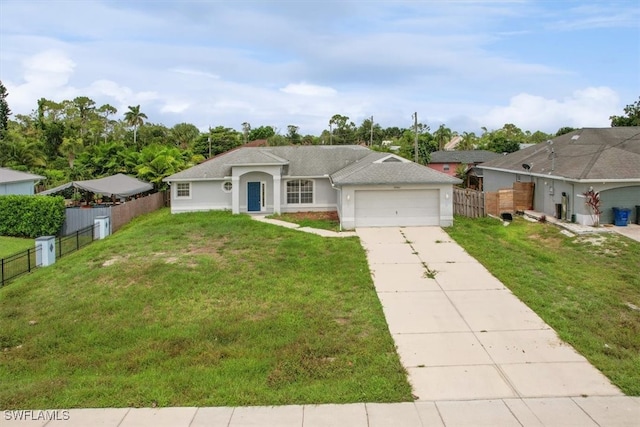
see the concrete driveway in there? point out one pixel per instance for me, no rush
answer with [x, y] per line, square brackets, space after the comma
[460, 333]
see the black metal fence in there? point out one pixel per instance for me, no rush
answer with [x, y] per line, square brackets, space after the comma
[25, 261]
[18, 264]
[74, 241]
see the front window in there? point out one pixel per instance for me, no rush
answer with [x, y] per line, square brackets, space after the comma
[227, 186]
[300, 191]
[183, 190]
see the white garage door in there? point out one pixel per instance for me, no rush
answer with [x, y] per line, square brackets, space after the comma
[379, 208]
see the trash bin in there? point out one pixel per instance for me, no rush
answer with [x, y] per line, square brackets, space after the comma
[621, 216]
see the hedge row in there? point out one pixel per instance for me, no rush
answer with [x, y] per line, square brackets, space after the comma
[31, 216]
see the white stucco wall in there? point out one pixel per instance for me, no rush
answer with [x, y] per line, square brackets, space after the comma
[205, 196]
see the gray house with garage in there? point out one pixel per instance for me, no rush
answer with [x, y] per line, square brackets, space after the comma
[366, 188]
[563, 169]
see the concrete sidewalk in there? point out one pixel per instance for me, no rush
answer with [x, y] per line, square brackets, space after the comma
[618, 411]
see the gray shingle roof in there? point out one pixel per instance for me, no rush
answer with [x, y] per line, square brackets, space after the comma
[302, 161]
[346, 164]
[585, 154]
[9, 175]
[463, 156]
[368, 172]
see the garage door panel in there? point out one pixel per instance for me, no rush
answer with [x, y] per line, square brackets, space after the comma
[377, 208]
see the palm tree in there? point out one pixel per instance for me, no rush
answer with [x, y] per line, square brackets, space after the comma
[135, 118]
[70, 148]
[468, 142]
[442, 136]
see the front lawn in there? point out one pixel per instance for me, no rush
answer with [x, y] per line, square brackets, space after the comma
[12, 245]
[587, 288]
[323, 220]
[201, 309]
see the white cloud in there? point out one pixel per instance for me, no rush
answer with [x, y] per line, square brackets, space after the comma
[196, 73]
[306, 89]
[589, 107]
[174, 107]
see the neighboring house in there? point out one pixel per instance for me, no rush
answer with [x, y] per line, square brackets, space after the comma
[607, 160]
[365, 187]
[449, 161]
[16, 182]
[453, 143]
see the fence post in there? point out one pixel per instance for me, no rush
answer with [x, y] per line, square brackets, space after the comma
[47, 254]
[103, 227]
[2, 277]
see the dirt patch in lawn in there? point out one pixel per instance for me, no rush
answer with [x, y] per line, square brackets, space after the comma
[330, 216]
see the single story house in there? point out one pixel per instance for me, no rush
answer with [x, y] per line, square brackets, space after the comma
[16, 182]
[606, 160]
[366, 188]
[447, 161]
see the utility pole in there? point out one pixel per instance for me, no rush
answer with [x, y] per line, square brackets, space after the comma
[371, 136]
[330, 132]
[415, 131]
[209, 141]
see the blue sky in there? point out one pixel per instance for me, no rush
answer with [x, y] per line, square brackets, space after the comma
[468, 64]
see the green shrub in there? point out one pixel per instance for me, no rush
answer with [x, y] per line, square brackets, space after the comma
[31, 216]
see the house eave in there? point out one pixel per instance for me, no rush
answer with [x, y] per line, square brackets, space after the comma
[342, 184]
[257, 164]
[563, 178]
[34, 180]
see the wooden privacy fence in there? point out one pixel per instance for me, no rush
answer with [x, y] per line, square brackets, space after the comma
[77, 218]
[467, 202]
[510, 200]
[122, 214]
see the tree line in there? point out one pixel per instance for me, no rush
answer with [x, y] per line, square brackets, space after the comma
[78, 139]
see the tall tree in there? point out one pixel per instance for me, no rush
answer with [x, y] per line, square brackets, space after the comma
[366, 134]
[135, 118]
[293, 137]
[468, 141]
[343, 130]
[20, 150]
[5, 111]
[184, 135]
[246, 128]
[70, 148]
[631, 117]
[262, 132]
[105, 111]
[564, 130]
[442, 135]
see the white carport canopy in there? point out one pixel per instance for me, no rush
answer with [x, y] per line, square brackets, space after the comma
[118, 185]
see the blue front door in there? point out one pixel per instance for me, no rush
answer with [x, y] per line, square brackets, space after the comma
[253, 196]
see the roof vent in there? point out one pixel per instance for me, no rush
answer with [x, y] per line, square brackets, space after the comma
[575, 137]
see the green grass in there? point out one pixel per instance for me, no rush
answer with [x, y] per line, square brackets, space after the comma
[321, 223]
[583, 287]
[201, 309]
[12, 245]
